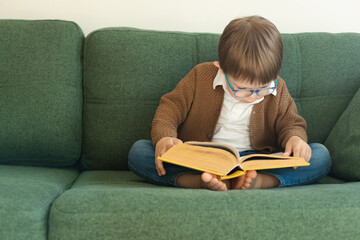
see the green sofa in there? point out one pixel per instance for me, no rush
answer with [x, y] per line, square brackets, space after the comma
[71, 107]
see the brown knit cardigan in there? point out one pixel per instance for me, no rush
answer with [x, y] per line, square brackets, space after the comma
[191, 111]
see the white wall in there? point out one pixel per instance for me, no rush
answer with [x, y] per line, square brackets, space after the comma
[290, 16]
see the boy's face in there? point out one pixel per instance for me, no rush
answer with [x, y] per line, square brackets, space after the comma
[240, 84]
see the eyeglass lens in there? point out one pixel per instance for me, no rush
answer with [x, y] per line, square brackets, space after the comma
[260, 93]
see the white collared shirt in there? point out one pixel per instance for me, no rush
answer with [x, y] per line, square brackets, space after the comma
[234, 121]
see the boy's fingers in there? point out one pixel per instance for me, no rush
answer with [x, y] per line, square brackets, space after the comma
[297, 151]
[303, 153]
[160, 167]
[158, 164]
[286, 154]
[308, 156]
[160, 149]
[287, 150]
[176, 141]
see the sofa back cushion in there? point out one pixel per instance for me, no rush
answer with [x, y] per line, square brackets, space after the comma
[40, 92]
[126, 73]
[128, 70]
[344, 142]
[322, 74]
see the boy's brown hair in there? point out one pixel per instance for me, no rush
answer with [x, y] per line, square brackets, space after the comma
[251, 49]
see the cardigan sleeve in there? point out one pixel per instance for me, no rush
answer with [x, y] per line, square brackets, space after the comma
[289, 123]
[173, 108]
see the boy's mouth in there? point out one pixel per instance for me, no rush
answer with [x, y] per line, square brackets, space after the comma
[243, 101]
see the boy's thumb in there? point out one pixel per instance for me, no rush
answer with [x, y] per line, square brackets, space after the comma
[287, 150]
[176, 141]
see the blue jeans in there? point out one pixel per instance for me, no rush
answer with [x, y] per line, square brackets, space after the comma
[142, 163]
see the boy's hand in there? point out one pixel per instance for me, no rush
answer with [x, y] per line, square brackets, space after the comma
[162, 146]
[297, 147]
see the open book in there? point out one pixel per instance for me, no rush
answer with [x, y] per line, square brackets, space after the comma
[224, 160]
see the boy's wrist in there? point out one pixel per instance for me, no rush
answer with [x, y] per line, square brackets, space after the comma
[156, 138]
[298, 134]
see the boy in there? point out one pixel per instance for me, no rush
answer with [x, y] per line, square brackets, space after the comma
[239, 100]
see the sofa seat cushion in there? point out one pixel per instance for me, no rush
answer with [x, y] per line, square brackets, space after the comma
[26, 194]
[112, 205]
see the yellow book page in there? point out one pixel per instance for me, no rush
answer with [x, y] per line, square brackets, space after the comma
[216, 145]
[276, 162]
[207, 159]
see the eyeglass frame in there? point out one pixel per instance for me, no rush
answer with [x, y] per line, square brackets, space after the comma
[252, 91]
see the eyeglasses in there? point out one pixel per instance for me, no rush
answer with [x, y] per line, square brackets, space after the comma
[247, 93]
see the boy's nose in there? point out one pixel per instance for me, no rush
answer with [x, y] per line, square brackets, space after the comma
[253, 96]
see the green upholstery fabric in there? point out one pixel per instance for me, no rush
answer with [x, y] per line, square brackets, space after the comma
[331, 180]
[322, 73]
[344, 142]
[128, 70]
[40, 92]
[26, 194]
[113, 205]
[126, 73]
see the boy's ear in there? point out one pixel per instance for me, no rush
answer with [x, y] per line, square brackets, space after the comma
[217, 64]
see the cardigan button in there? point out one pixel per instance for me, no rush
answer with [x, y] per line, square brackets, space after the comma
[209, 136]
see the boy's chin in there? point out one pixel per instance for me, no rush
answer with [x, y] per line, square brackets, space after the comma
[245, 101]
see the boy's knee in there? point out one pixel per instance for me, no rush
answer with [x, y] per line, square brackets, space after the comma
[140, 144]
[137, 151]
[320, 156]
